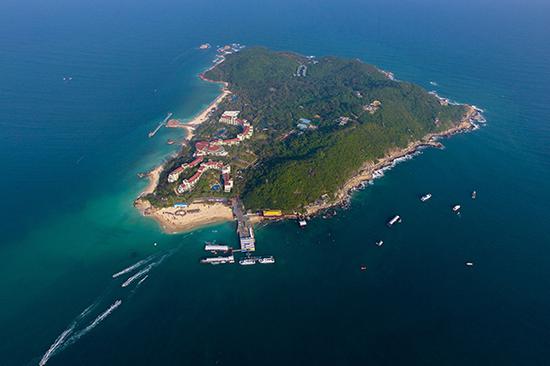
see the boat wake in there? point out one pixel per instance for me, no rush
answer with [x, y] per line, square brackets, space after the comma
[82, 324]
[62, 340]
[75, 337]
[136, 265]
[137, 275]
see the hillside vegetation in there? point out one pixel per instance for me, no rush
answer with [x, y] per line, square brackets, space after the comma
[296, 167]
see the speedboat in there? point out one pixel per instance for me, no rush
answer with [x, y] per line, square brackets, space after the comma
[394, 220]
[426, 197]
[469, 264]
[456, 208]
[266, 260]
[380, 243]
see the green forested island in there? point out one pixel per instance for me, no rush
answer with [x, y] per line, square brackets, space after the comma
[316, 122]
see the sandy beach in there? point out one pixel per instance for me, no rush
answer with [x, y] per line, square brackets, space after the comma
[177, 220]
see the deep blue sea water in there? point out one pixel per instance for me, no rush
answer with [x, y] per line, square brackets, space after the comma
[70, 151]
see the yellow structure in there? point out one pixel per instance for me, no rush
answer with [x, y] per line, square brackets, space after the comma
[272, 213]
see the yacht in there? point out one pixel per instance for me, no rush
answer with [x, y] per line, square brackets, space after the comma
[266, 260]
[247, 261]
[394, 220]
[426, 197]
[456, 208]
[469, 264]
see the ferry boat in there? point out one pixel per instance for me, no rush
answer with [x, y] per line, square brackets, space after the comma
[474, 195]
[247, 261]
[266, 260]
[426, 197]
[394, 220]
[456, 208]
[379, 243]
[218, 260]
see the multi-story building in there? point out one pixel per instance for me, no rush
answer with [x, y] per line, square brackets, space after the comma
[230, 117]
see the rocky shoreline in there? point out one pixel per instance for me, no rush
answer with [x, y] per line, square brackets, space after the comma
[367, 172]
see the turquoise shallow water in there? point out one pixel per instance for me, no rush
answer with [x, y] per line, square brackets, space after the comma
[71, 151]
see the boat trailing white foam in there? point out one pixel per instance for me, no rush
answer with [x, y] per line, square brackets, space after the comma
[131, 268]
[64, 336]
[93, 324]
[137, 275]
[55, 345]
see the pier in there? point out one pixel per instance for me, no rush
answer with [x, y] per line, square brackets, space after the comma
[154, 132]
[245, 229]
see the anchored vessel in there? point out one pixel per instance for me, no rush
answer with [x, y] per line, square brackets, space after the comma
[394, 220]
[266, 260]
[248, 261]
[216, 248]
[218, 260]
[456, 208]
[380, 243]
[474, 195]
[426, 197]
[302, 223]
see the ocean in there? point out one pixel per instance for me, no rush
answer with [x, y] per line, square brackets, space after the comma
[82, 83]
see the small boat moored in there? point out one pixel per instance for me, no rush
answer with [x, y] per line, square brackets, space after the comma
[456, 208]
[469, 264]
[363, 267]
[426, 197]
[394, 220]
[379, 243]
[302, 223]
[247, 261]
[266, 260]
[474, 195]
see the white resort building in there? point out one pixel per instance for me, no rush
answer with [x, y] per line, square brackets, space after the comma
[230, 117]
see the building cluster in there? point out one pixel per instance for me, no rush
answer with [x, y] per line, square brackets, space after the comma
[216, 147]
[372, 107]
[212, 148]
[188, 184]
[175, 174]
[305, 124]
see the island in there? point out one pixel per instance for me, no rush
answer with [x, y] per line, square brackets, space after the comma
[291, 135]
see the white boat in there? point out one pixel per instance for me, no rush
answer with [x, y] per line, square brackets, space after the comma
[469, 264]
[247, 261]
[456, 208]
[474, 195]
[218, 260]
[426, 197]
[302, 223]
[266, 260]
[380, 243]
[394, 220]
